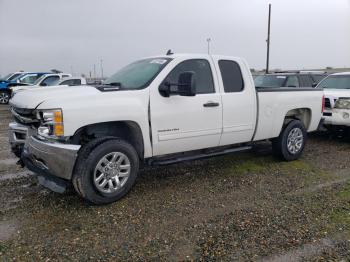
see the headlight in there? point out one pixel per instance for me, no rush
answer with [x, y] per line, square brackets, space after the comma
[342, 103]
[51, 123]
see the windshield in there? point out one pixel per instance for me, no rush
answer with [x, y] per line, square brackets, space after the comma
[14, 76]
[270, 81]
[336, 82]
[138, 74]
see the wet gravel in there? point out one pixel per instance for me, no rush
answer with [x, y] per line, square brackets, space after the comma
[243, 207]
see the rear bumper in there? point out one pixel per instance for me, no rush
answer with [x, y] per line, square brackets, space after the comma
[50, 158]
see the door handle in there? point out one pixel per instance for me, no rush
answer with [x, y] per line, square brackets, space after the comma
[211, 104]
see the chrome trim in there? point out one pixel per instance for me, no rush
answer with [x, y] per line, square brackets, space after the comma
[14, 129]
[55, 158]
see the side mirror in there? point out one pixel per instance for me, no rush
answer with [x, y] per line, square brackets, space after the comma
[43, 84]
[186, 86]
[314, 84]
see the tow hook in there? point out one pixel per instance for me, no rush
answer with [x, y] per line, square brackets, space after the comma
[20, 163]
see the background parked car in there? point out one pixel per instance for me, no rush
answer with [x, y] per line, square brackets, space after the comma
[12, 76]
[45, 80]
[14, 79]
[71, 81]
[300, 79]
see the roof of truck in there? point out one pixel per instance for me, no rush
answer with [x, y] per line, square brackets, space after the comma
[179, 55]
[341, 74]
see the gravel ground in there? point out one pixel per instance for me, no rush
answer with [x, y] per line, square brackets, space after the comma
[242, 207]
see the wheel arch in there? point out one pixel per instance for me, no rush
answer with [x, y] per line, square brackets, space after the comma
[129, 131]
[302, 114]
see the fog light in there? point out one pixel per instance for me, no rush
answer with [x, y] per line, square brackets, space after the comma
[346, 115]
[44, 131]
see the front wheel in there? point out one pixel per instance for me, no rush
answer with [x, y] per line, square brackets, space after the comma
[4, 97]
[291, 142]
[105, 173]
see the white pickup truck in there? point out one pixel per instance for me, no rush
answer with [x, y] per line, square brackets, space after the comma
[156, 111]
[337, 101]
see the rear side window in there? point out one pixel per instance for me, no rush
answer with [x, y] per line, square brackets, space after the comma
[231, 76]
[292, 81]
[71, 82]
[305, 80]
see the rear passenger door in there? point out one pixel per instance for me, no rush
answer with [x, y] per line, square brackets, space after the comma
[239, 101]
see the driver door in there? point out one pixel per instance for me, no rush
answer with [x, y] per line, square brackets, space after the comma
[186, 123]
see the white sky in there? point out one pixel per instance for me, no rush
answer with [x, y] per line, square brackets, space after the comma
[39, 35]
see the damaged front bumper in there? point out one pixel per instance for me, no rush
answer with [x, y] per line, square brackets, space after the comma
[17, 137]
[52, 161]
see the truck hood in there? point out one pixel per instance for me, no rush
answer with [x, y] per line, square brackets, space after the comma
[32, 98]
[336, 93]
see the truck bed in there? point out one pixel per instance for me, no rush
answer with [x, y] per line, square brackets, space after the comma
[276, 103]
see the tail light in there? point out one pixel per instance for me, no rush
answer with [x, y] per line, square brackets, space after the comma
[323, 103]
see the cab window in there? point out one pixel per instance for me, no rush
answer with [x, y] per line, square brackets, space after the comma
[203, 74]
[49, 80]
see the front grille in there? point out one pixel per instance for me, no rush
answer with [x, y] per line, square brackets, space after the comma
[327, 103]
[24, 116]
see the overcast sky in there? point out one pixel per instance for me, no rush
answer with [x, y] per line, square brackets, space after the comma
[38, 35]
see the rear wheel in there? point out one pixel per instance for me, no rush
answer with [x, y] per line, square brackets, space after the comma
[291, 142]
[107, 172]
[4, 97]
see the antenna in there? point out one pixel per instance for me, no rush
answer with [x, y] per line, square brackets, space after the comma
[169, 52]
[268, 42]
[209, 40]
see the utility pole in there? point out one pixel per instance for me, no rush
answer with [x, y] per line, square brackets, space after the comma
[94, 72]
[208, 40]
[268, 42]
[101, 64]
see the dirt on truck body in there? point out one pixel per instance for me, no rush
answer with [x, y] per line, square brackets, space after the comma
[248, 206]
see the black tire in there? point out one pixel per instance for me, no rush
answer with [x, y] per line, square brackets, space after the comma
[89, 157]
[4, 97]
[279, 144]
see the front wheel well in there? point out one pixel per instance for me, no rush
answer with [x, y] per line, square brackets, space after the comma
[126, 130]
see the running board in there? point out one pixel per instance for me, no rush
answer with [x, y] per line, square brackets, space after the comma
[170, 161]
